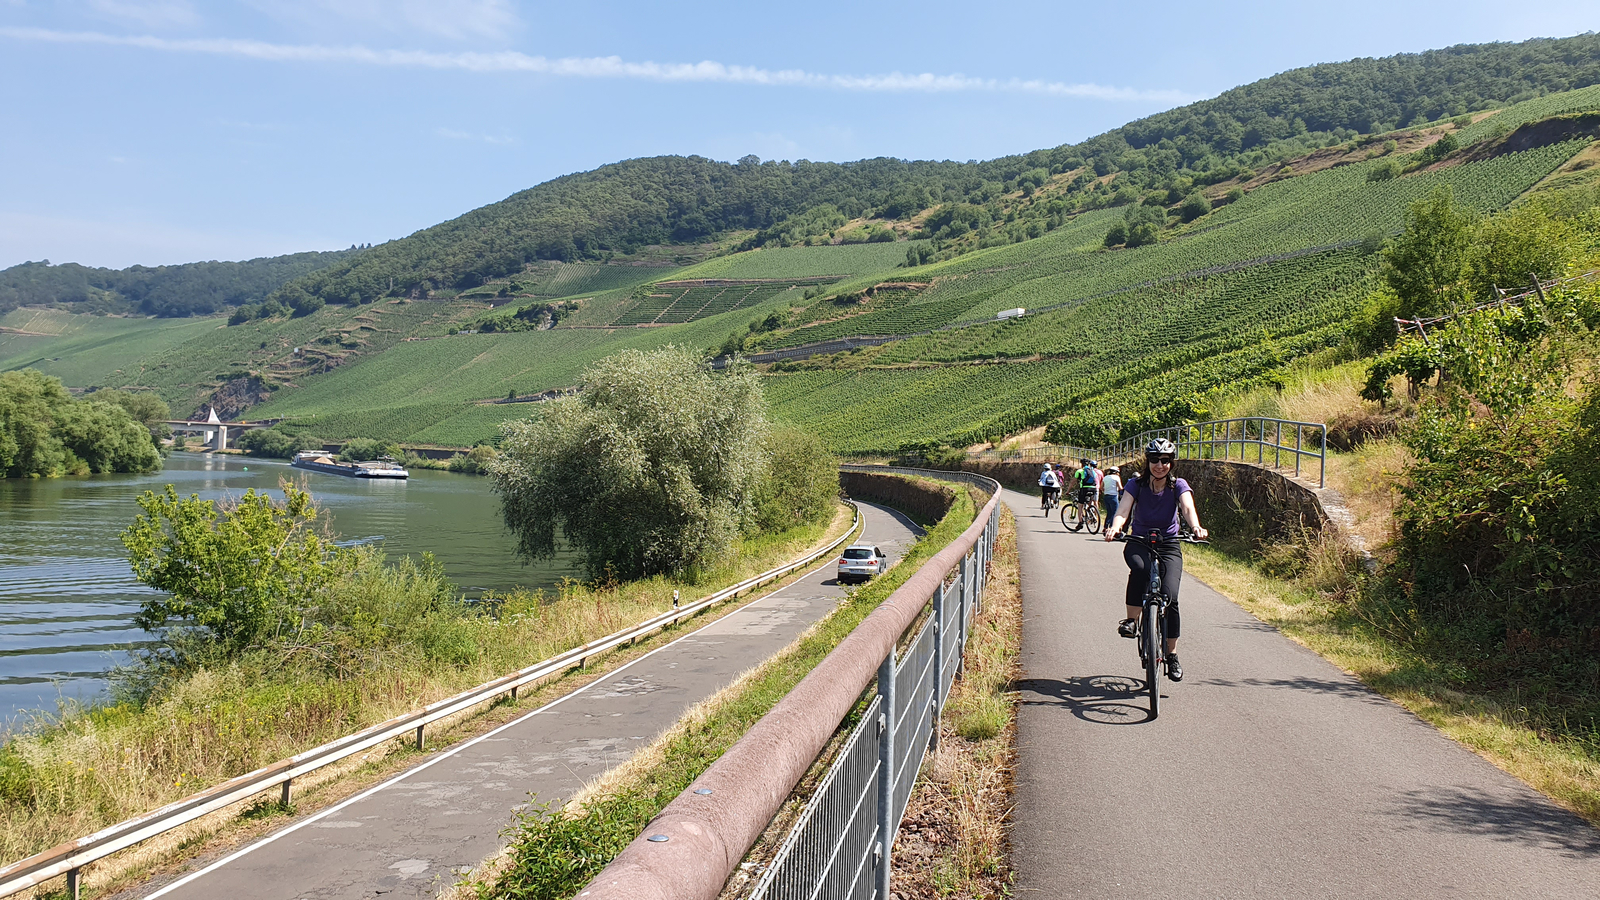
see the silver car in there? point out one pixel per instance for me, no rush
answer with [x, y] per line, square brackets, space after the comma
[860, 562]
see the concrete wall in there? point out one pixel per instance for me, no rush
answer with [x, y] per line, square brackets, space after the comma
[1246, 503]
[925, 503]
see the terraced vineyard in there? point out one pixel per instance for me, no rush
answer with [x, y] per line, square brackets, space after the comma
[423, 391]
[1114, 359]
[676, 302]
[85, 350]
[1325, 208]
[801, 262]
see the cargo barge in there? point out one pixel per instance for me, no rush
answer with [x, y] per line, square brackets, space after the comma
[318, 461]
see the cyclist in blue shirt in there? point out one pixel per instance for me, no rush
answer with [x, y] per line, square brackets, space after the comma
[1155, 499]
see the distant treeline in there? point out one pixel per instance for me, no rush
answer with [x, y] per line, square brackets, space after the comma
[619, 208]
[190, 289]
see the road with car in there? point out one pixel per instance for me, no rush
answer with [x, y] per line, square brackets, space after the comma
[1270, 772]
[417, 832]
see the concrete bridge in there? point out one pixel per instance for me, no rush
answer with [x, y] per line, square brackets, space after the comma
[213, 430]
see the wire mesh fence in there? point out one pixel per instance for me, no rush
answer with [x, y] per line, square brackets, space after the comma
[840, 845]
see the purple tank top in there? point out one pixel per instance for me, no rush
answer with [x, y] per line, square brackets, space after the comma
[1156, 512]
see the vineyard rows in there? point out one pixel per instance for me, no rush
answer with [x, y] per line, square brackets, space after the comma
[1331, 207]
[674, 303]
[802, 262]
[1531, 111]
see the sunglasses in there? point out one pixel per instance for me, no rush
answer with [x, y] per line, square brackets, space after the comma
[1161, 461]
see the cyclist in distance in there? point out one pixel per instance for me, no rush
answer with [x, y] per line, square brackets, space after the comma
[1155, 499]
[1047, 486]
[1110, 493]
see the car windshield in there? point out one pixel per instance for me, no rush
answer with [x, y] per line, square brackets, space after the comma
[858, 553]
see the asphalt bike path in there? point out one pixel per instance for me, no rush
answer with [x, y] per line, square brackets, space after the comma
[418, 832]
[1270, 772]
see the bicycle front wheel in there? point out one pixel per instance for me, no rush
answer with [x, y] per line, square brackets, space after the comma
[1070, 516]
[1150, 635]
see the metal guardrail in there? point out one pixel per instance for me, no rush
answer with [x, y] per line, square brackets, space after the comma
[841, 845]
[1222, 439]
[67, 859]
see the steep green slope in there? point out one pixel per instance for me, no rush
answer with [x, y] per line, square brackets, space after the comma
[619, 208]
[86, 350]
[423, 391]
[1335, 206]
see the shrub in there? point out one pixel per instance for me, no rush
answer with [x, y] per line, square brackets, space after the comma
[240, 573]
[653, 468]
[363, 449]
[1194, 206]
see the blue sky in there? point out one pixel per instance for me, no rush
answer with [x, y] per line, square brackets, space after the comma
[164, 131]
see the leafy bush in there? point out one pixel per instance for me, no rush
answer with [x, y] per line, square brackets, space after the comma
[803, 480]
[363, 449]
[653, 468]
[1194, 206]
[241, 573]
[272, 443]
[476, 461]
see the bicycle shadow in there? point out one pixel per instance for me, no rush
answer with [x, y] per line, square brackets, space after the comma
[1101, 699]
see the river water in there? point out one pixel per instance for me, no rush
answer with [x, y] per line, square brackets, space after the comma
[67, 597]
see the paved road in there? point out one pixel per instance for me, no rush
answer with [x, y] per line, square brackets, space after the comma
[411, 835]
[1277, 774]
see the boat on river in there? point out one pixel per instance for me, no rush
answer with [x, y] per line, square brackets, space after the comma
[321, 461]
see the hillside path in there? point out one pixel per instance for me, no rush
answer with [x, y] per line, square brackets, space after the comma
[415, 833]
[1275, 773]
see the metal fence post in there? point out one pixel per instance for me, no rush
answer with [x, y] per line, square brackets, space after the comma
[938, 660]
[886, 827]
[1298, 431]
[1322, 468]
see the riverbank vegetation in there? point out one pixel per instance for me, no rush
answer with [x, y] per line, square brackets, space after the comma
[555, 851]
[385, 637]
[45, 432]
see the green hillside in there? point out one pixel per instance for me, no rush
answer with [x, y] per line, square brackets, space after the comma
[618, 209]
[85, 350]
[190, 289]
[423, 391]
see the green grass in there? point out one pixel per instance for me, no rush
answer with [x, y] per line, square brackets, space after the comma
[801, 262]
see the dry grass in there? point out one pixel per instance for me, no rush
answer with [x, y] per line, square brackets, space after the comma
[953, 842]
[95, 767]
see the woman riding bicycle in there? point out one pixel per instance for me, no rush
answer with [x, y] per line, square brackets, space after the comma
[1156, 499]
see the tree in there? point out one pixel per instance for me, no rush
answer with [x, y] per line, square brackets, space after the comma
[151, 411]
[44, 432]
[654, 467]
[1424, 266]
[1194, 206]
[804, 480]
[242, 573]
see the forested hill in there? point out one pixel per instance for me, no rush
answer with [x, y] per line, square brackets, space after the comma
[183, 290]
[617, 208]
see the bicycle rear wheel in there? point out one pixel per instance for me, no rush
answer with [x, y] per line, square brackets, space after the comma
[1151, 649]
[1070, 517]
[1091, 514]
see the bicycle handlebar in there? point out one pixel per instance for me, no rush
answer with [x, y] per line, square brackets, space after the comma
[1185, 537]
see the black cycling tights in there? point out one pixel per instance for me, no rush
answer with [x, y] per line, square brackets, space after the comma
[1138, 558]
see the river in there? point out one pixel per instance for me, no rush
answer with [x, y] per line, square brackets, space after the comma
[67, 597]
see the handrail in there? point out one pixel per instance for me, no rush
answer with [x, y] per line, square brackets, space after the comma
[67, 858]
[689, 850]
[1210, 440]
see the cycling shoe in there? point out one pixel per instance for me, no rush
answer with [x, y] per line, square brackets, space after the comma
[1174, 668]
[1128, 628]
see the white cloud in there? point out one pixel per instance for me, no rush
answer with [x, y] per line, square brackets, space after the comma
[613, 67]
[149, 13]
[456, 19]
[454, 135]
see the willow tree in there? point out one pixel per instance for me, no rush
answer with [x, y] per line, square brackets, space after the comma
[656, 466]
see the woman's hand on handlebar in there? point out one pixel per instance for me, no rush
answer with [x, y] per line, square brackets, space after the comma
[1201, 533]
